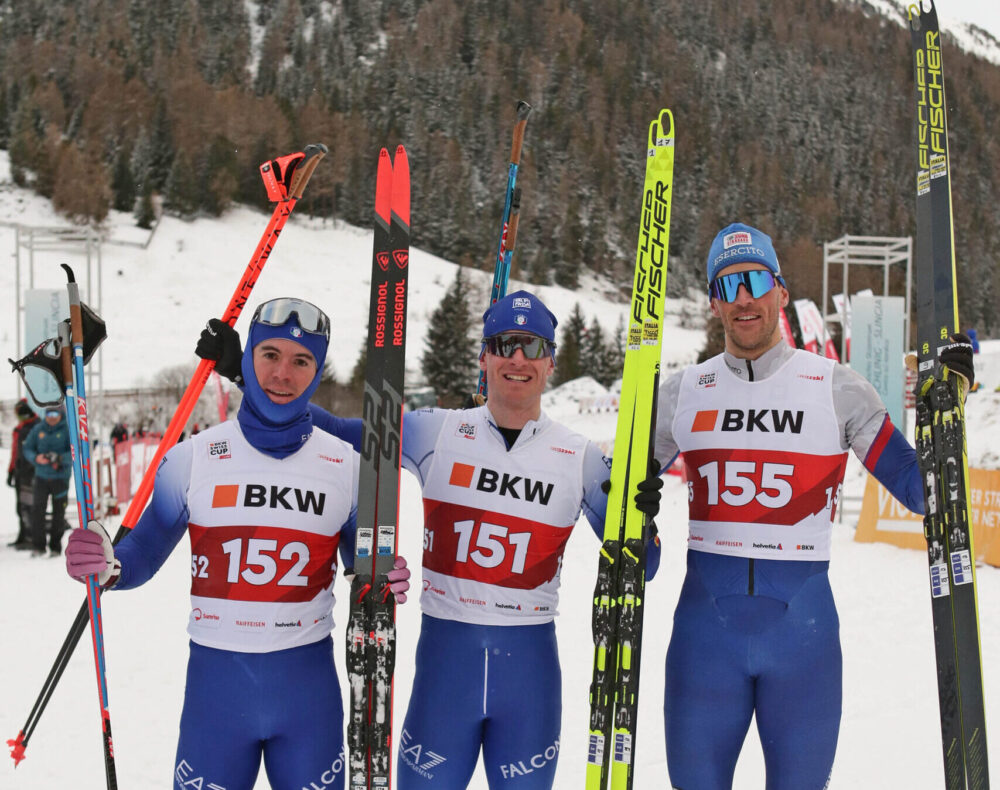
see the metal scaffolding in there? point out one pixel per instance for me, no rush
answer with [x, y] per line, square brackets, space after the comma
[86, 241]
[884, 251]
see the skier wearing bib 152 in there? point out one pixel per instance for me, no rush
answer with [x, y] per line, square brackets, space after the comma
[503, 485]
[267, 499]
[764, 430]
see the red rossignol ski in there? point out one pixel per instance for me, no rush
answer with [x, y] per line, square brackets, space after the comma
[371, 627]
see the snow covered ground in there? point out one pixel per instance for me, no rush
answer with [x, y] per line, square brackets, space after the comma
[155, 302]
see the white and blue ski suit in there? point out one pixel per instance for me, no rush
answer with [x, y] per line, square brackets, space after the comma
[755, 632]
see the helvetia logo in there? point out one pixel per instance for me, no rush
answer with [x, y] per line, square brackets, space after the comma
[492, 482]
[279, 624]
[275, 497]
[768, 546]
[749, 420]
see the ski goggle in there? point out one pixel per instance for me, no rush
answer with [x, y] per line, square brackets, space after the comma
[506, 343]
[757, 282]
[276, 312]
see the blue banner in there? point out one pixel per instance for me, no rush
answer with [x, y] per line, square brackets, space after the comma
[44, 308]
[877, 348]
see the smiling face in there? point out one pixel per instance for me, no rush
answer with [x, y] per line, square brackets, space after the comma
[515, 385]
[751, 325]
[284, 369]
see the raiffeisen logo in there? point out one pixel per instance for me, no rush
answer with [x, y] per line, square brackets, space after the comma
[750, 420]
[276, 497]
[504, 484]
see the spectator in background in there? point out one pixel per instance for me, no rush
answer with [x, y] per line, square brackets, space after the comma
[21, 472]
[48, 448]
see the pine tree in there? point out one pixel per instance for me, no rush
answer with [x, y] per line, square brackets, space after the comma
[449, 361]
[144, 213]
[122, 184]
[593, 353]
[570, 347]
[615, 354]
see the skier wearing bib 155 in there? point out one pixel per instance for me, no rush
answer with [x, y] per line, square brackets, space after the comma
[267, 500]
[503, 486]
[764, 430]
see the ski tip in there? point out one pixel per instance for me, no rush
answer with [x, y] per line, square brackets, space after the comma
[523, 110]
[70, 277]
[401, 186]
[915, 13]
[665, 121]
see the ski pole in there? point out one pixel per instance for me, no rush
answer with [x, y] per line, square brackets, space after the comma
[501, 268]
[76, 413]
[285, 180]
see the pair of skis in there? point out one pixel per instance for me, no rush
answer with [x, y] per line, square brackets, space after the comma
[371, 626]
[940, 430]
[619, 592]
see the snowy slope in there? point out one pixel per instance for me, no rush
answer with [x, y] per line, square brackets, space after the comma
[889, 737]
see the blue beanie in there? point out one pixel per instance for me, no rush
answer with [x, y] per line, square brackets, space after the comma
[739, 243]
[290, 330]
[520, 312]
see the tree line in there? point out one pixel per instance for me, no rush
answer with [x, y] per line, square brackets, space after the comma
[793, 116]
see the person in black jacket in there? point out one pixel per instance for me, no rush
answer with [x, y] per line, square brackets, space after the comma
[21, 472]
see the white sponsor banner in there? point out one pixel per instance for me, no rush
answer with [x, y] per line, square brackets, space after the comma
[878, 348]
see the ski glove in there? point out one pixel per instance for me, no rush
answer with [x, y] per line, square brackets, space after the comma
[399, 579]
[957, 357]
[10, 479]
[647, 497]
[220, 343]
[89, 551]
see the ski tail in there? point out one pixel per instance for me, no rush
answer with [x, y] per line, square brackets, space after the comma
[619, 592]
[940, 429]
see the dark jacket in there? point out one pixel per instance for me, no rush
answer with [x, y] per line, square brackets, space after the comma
[45, 439]
[22, 467]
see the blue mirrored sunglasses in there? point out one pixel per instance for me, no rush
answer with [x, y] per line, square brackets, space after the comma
[310, 318]
[757, 282]
[506, 343]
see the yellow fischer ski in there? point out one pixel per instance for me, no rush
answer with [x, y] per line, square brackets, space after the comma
[618, 595]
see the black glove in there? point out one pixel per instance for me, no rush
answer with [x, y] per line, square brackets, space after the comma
[220, 343]
[54, 460]
[957, 357]
[647, 498]
[10, 478]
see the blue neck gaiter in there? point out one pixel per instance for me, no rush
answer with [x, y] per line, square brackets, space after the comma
[276, 429]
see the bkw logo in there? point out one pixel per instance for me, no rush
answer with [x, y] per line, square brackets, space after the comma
[284, 497]
[493, 482]
[750, 420]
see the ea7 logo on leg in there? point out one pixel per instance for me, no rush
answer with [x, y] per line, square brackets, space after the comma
[184, 774]
[417, 757]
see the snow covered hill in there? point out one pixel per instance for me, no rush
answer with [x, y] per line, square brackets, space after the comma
[155, 302]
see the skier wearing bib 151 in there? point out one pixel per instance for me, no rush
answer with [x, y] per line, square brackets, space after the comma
[764, 430]
[503, 485]
[267, 500]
